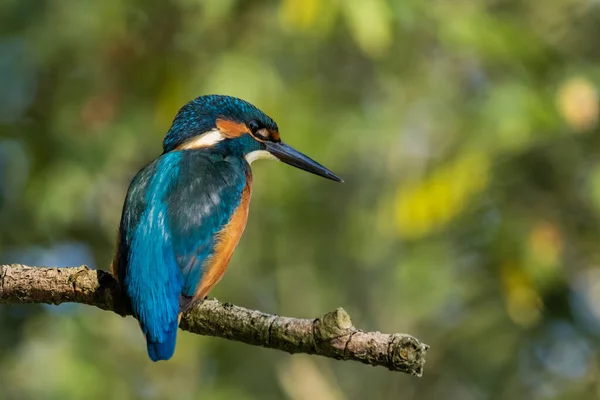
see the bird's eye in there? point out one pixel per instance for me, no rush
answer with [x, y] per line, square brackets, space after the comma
[254, 126]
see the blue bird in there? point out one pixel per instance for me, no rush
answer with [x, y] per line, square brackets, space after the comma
[185, 212]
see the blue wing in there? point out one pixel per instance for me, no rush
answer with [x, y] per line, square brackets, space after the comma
[201, 203]
[174, 209]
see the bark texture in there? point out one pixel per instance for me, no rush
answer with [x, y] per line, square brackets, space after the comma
[331, 335]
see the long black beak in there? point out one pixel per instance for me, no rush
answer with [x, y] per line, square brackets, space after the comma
[288, 155]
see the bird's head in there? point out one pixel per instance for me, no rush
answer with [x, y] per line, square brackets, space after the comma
[236, 127]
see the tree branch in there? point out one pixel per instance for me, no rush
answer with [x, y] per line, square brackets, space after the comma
[331, 335]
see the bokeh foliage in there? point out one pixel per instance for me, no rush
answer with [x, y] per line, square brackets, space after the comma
[467, 132]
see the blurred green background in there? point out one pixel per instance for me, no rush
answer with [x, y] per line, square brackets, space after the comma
[467, 133]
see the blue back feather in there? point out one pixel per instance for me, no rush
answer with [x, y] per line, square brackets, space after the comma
[174, 208]
[203, 199]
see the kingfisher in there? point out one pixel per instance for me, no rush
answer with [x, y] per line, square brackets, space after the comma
[185, 211]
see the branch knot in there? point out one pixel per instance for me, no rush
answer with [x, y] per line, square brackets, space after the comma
[333, 325]
[404, 352]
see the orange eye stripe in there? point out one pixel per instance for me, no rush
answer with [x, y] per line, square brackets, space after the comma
[231, 129]
[274, 135]
[266, 135]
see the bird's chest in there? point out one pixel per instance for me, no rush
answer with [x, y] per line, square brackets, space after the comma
[225, 242]
[207, 209]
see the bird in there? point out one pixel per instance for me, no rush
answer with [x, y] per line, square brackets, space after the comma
[184, 212]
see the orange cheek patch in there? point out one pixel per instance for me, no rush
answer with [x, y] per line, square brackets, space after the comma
[231, 129]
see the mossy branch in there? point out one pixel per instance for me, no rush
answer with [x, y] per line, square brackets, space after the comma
[331, 335]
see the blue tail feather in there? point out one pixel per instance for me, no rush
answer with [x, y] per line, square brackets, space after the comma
[163, 349]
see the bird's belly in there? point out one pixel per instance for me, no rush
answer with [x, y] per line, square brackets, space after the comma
[227, 240]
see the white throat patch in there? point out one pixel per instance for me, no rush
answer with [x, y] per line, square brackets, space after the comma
[205, 140]
[259, 155]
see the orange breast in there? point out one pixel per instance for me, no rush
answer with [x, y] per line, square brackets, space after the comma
[227, 240]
